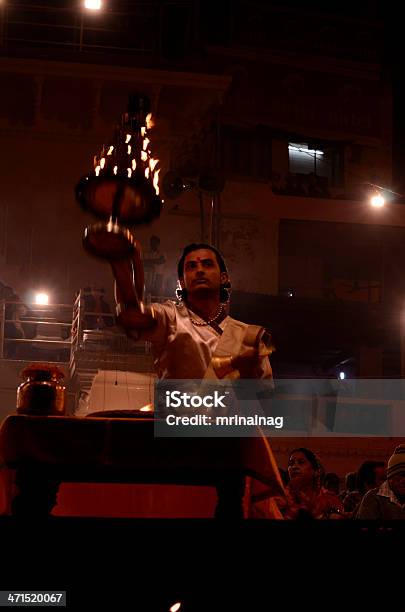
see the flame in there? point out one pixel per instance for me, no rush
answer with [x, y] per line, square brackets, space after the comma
[144, 156]
[143, 131]
[175, 607]
[134, 164]
[156, 181]
[129, 172]
[145, 144]
[152, 163]
[128, 138]
[115, 169]
[97, 170]
[149, 121]
[129, 150]
[110, 150]
[147, 172]
[102, 162]
[146, 408]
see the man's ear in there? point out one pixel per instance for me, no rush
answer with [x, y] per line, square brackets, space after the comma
[224, 278]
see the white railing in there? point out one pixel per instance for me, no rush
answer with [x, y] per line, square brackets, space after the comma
[31, 332]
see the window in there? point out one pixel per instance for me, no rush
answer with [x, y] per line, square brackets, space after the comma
[323, 161]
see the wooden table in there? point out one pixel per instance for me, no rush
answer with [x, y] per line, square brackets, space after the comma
[46, 451]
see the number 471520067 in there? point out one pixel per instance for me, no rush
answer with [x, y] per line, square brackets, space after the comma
[16, 598]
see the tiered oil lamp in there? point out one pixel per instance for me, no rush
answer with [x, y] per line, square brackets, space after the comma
[123, 188]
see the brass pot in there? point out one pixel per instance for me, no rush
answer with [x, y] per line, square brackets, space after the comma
[42, 393]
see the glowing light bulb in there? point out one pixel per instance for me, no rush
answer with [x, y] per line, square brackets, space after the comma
[42, 299]
[92, 5]
[377, 200]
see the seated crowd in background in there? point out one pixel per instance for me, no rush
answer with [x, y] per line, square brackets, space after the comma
[374, 492]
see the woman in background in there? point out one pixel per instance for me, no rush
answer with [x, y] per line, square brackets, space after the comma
[305, 496]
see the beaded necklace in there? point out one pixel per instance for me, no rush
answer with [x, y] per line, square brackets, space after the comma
[212, 319]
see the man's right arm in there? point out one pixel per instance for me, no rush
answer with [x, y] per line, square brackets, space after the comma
[141, 322]
[129, 288]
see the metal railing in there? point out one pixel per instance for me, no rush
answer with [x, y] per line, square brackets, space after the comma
[95, 331]
[34, 333]
[56, 332]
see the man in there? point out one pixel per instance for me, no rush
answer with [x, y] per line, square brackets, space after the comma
[99, 309]
[197, 339]
[387, 502]
[187, 336]
[370, 475]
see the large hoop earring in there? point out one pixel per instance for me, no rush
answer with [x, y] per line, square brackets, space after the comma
[181, 293]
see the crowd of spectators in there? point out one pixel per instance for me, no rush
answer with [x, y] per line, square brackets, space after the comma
[375, 492]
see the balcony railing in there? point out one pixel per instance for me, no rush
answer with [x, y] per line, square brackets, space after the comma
[56, 332]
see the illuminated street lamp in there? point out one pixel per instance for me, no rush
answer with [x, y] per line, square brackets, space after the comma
[92, 5]
[377, 200]
[42, 299]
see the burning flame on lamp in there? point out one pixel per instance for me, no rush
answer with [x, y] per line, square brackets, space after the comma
[130, 158]
[156, 181]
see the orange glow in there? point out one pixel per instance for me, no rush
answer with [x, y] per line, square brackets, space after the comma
[156, 181]
[152, 163]
[149, 121]
[146, 408]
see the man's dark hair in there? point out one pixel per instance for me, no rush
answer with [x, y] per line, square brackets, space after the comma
[366, 474]
[195, 246]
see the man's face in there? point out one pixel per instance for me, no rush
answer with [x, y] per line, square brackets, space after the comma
[201, 273]
[397, 485]
[380, 475]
